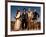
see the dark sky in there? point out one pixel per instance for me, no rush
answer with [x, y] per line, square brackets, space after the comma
[14, 9]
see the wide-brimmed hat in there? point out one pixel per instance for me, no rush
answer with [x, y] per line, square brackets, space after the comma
[18, 9]
[24, 10]
[29, 9]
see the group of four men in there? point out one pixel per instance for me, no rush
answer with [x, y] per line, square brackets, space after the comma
[26, 18]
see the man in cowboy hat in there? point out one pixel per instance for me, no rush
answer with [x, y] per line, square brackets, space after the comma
[24, 19]
[30, 16]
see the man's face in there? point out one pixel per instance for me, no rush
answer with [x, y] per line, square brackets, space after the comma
[29, 11]
[24, 12]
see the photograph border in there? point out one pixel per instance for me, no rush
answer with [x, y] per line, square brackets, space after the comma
[6, 13]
